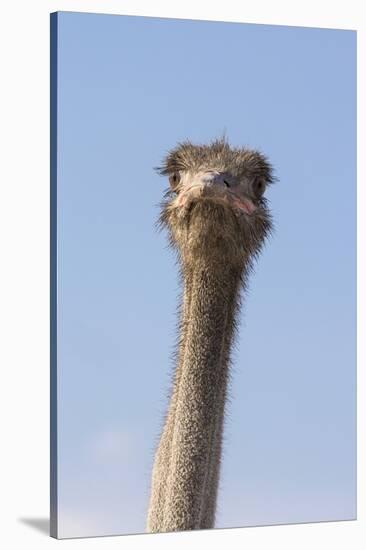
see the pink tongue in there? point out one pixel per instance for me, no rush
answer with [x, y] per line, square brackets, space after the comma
[246, 205]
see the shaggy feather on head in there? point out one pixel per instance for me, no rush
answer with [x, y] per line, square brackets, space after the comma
[216, 197]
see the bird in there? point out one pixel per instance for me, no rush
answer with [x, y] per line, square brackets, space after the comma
[217, 220]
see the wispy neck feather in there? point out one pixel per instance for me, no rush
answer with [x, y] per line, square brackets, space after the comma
[199, 401]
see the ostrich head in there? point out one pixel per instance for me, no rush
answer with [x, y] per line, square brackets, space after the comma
[215, 205]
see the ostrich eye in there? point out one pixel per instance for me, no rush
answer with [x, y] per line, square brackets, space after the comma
[258, 187]
[174, 179]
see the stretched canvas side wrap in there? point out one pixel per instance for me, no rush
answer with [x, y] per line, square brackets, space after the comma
[216, 129]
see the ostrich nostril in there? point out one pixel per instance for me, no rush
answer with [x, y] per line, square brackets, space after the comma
[214, 179]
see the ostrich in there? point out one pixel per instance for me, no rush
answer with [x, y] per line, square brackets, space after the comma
[217, 221]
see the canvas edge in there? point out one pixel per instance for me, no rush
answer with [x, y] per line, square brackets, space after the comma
[53, 276]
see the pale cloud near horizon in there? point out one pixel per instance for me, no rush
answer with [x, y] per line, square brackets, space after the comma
[107, 502]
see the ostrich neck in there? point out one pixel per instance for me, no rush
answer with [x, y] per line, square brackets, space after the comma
[211, 290]
[163, 452]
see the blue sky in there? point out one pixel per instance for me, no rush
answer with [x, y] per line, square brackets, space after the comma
[129, 89]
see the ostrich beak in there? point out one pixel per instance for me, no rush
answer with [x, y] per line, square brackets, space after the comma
[216, 185]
